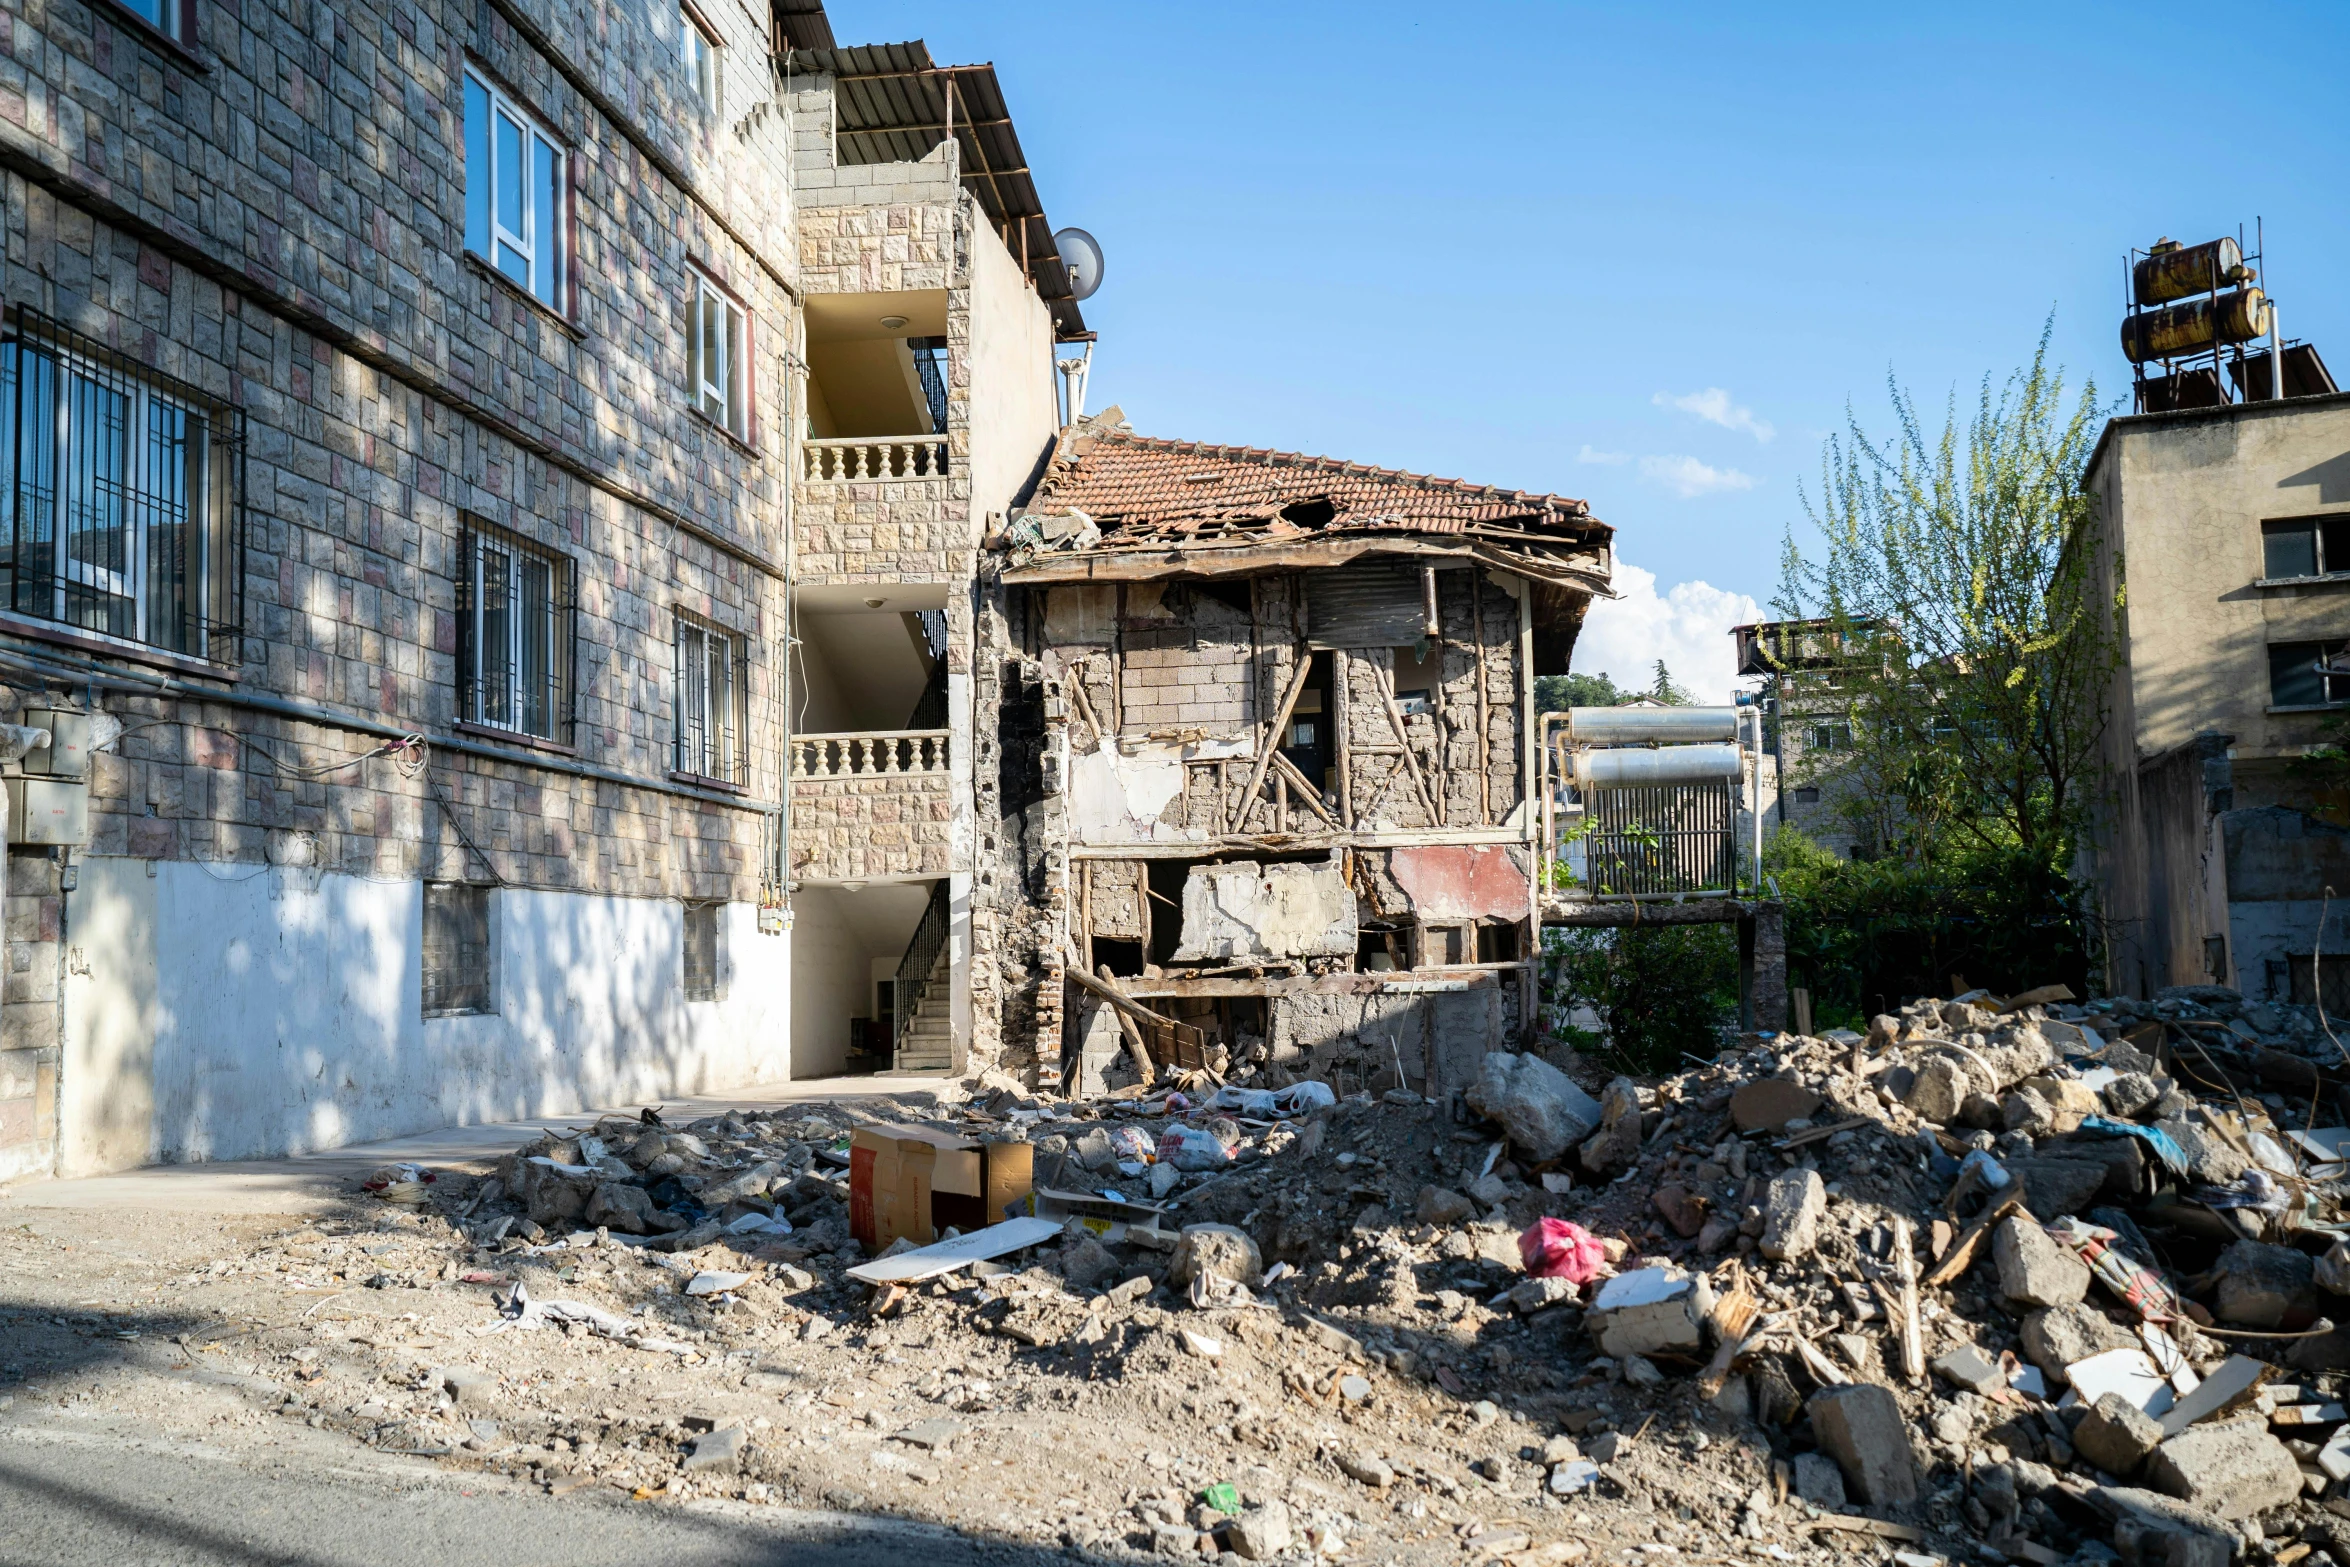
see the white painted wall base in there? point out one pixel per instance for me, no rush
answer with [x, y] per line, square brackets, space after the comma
[280, 1011]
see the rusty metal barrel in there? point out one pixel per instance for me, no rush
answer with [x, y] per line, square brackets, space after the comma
[2188, 269]
[2238, 316]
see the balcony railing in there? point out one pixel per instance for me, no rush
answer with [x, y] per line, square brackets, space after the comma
[903, 753]
[875, 457]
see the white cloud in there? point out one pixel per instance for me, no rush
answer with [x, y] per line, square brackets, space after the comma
[1713, 405]
[1688, 627]
[1609, 459]
[1689, 478]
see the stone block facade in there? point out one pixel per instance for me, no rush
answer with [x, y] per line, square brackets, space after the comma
[856, 829]
[277, 218]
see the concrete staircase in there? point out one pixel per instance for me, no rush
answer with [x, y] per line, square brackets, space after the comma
[927, 1047]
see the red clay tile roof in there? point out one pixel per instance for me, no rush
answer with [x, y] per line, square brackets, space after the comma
[1145, 491]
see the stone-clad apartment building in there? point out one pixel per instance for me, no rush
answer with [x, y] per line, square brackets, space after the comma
[422, 423]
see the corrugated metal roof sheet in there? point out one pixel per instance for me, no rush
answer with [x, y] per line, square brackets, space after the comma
[895, 104]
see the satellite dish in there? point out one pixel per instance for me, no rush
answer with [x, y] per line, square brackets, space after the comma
[1081, 253]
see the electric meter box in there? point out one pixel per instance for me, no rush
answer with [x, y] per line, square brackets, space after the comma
[48, 811]
[67, 755]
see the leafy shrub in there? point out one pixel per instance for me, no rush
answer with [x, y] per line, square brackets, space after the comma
[1663, 992]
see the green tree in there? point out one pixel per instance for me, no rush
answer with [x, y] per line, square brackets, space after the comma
[1557, 693]
[1662, 689]
[1959, 574]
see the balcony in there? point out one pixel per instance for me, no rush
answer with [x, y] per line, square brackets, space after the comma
[848, 459]
[871, 785]
[905, 753]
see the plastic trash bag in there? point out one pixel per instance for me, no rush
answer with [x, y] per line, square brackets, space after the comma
[1193, 1148]
[1558, 1249]
[1273, 1103]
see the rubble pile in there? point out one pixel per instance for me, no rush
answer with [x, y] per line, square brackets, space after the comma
[2020, 1281]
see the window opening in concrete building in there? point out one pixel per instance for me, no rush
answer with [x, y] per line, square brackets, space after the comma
[2305, 547]
[2308, 674]
[703, 58]
[174, 19]
[123, 496]
[514, 621]
[709, 703]
[1827, 737]
[1163, 881]
[1309, 742]
[456, 948]
[721, 358]
[513, 192]
[702, 953]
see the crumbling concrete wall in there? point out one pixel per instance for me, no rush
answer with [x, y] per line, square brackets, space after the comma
[1434, 1034]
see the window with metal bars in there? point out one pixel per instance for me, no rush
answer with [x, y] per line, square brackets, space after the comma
[122, 494]
[514, 634]
[456, 956]
[930, 364]
[709, 702]
[703, 981]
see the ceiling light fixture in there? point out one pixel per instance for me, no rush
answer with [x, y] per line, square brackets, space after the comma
[875, 603]
[892, 323]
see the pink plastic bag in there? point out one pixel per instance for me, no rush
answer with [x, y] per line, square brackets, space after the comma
[1556, 1249]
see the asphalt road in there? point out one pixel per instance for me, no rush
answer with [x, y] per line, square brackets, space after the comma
[94, 1499]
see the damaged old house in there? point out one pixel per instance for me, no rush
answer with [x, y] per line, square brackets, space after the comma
[1267, 759]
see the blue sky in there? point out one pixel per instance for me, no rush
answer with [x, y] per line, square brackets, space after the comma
[1645, 255]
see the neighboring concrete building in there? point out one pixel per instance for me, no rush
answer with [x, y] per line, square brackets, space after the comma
[1808, 730]
[1267, 754]
[2220, 833]
[404, 413]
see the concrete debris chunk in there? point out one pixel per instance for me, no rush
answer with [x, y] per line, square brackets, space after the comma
[1818, 1480]
[2153, 1530]
[1791, 1214]
[717, 1449]
[1221, 1250]
[1537, 1104]
[1617, 1143]
[2130, 1095]
[2034, 1268]
[1650, 1309]
[1861, 1426]
[1768, 1104]
[2230, 1469]
[2063, 1335]
[1971, 1369]
[1261, 1533]
[1442, 1206]
[2261, 1286]
[2116, 1435]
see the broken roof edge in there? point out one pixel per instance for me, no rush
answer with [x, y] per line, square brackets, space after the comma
[1110, 426]
[1144, 563]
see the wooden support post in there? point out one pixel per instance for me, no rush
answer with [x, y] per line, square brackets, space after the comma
[1126, 1025]
[1340, 717]
[1284, 768]
[1484, 716]
[1085, 704]
[1403, 738]
[1271, 743]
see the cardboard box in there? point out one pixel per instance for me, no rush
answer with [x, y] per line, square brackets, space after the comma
[913, 1182]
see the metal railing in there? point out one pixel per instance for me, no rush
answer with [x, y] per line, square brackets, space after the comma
[1659, 841]
[886, 754]
[913, 978]
[875, 457]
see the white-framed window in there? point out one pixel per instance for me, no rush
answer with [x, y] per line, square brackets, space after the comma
[514, 634]
[709, 702]
[120, 495]
[719, 349]
[704, 58]
[174, 19]
[515, 217]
